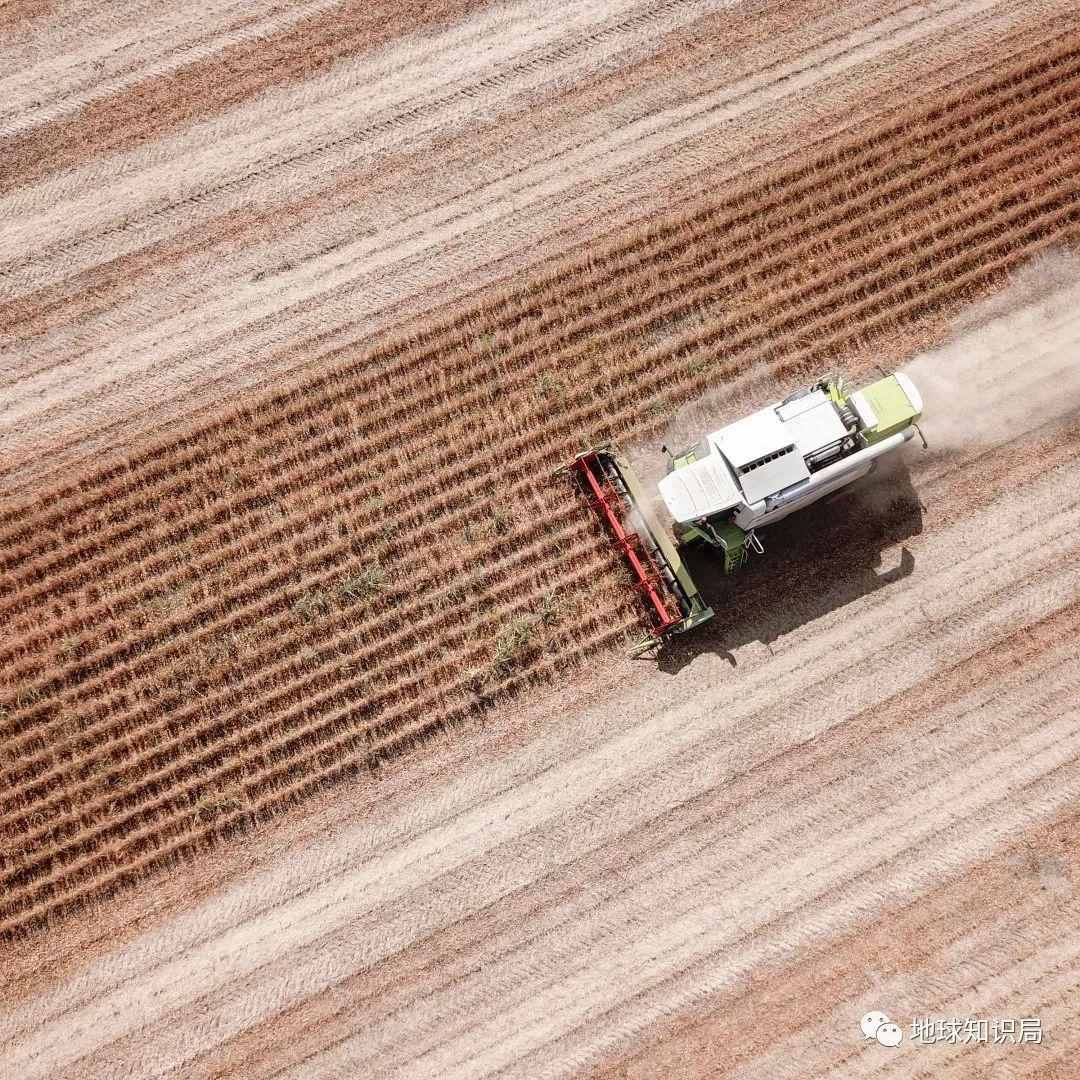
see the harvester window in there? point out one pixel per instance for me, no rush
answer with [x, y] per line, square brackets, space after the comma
[750, 466]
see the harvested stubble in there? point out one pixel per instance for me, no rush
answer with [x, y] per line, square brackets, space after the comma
[303, 588]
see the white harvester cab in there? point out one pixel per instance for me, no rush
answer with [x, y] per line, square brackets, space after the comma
[791, 453]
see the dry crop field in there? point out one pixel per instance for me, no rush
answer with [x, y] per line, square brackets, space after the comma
[295, 327]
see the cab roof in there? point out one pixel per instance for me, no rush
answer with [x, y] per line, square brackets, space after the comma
[700, 489]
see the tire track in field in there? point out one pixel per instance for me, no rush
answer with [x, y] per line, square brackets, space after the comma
[550, 910]
[581, 286]
[929, 957]
[75, 63]
[679, 887]
[327, 273]
[978, 975]
[272, 142]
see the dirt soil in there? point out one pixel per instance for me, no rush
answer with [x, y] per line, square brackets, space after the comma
[857, 789]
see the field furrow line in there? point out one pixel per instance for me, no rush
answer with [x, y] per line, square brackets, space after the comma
[286, 142]
[678, 887]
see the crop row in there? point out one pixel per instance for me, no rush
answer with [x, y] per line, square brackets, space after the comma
[291, 766]
[258, 664]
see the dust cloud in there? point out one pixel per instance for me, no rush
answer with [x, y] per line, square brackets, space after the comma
[1012, 364]
[1009, 366]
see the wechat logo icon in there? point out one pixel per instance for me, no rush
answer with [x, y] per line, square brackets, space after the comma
[876, 1025]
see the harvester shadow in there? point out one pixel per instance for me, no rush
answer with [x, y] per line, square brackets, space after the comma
[816, 561]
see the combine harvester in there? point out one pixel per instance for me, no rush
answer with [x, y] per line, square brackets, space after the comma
[746, 475]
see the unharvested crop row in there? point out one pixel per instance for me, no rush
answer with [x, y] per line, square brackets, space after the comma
[295, 758]
[398, 659]
[352, 757]
[288, 686]
[419, 679]
[1044, 120]
[285, 632]
[394, 658]
[319, 566]
[1011, 191]
[574, 278]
